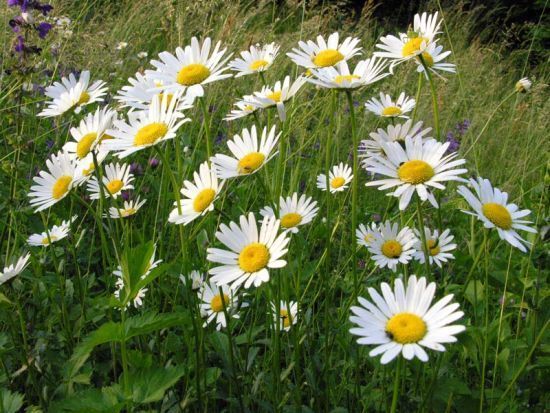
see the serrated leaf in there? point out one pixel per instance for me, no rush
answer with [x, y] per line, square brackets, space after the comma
[106, 400]
[11, 402]
[149, 385]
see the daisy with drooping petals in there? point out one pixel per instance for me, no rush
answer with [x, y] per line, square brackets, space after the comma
[277, 96]
[215, 302]
[293, 211]
[402, 320]
[257, 59]
[433, 58]
[199, 196]
[338, 178]
[421, 166]
[56, 233]
[117, 178]
[248, 155]
[15, 269]
[129, 209]
[365, 234]
[72, 93]
[196, 277]
[190, 68]
[146, 128]
[52, 186]
[288, 314]
[391, 246]
[324, 53]
[252, 252]
[244, 108]
[490, 205]
[366, 72]
[523, 85]
[439, 247]
[387, 108]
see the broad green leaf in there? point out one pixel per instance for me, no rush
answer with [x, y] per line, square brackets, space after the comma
[149, 385]
[106, 400]
[11, 402]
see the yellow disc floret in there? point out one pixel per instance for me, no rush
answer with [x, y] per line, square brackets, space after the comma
[149, 134]
[326, 58]
[392, 249]
[114, 186]
[285, 316]
[433, 247]
[415, 172]
[249, 163]
[337, 182]
[406, 328]
[84, 145]
[218, 303]
[345, 78]
[61, 186]
[274, 96]
[253, 257]
[83, 99]
[291, 220]
[192, 74]
[203, 199]
[498, 215]
[391, 111]
[412, 47]
[257, 65]
[46, 241]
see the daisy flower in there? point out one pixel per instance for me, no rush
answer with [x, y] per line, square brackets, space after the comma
[196, 277]
[421, 166]
[339, 178]
[248, 156]
[387, 108]
[146, 128]
[15, 269]
[324, 53]
[198, 197]
[244, 108]
[72, 93]
[439, 247]
[490, 205]
[214, 302]
[85, 167]
[256, 59]
[293, 211]
[190, 68]
[54, 185]
[252, 252]
[56, 233]
[433, 58]
[404, 321]
[391, 246]
[366, 72]
[523, 85]
[277, 96]
[117, 178]
[129, 208]
[365, 234]
[288, 314]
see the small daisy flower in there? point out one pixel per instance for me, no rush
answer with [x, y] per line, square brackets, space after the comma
[191, 68]
[56, 233]
[277, 96]
[523, 85]
[490, 205]
[365, 234]
[391, 246]
[256, 59]
[404, 321]
[421, 166]
[116, 179]
[252, 252]
[293, 211]
[146, 128]
[244, 108]
[198, 196]
[338, 178]
[129, 209]
[433, 57]
[121, 45]
[196, 277]
[324, 53]
[73, 94]
[13, 270]
[387, 108]
[54, 185]
[248, 155]
[214, 302]
[85, 167]
[142, 55]
[288, 314]
[439, 247]
[366, 72]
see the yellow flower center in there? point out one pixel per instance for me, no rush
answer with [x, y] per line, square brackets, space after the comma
[249, 163]
[258, 64]
[275, 96]
[89, 170]
[249, 108]
[105, 137]
[308, 73]
[498, 215]
[203, 199]
[149, 134]
[405, 328]
[428, 59]
[433, 247]
[46, 241]
[415, 172]
[85, 144]
[412, 47]
[291, 220]
[392, 249]
[368, 238]
[326, 58]
[349, 78]
[192, 74]
[337, 182]
[83, 99]
[114, 186]
[218, 303]
[168, 96]
[391, 111]
[61, 186]
[127, 212]
[285, 316]
[253, 257]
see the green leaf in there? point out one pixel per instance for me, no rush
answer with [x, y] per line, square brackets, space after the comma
[149, 385]
[4, 299]
[106, 400]
[11, 402]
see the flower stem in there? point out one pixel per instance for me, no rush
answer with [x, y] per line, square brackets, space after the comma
[425, 246]
[434, 97]
[396, 382]
[417, 99]
[206, 120]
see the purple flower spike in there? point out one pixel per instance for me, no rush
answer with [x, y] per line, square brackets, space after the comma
[43, 29]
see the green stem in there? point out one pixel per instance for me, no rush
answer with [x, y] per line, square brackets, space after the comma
[434, 97]
[417, 99]
[396, 382]
[425, 246]
[206, 120]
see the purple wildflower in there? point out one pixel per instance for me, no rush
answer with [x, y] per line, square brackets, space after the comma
[43, 29]
[154, 162]
[136, 168]
[20, 44]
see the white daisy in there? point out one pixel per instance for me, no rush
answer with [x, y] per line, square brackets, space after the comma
[339, 178]
[85, 167]
[439, 246]
[146, 128]
[54, 185]
[391, 246]
[196, 277]
[433, 57]
[14, 270]
[256, 59]
[490, 205]
[523, 85]
[419, 167]
[117, 178]
[72, 93]
[324, 53]
[252, 253]
[214, 302]
[366, 72]
[198, 196]
[402, 321]
[248, 155]
[288, 314]
[190, 68]
[387, 108]
[129, 209]
[293, 212]
[365, 234]
[244, 108]
[56, 233]
[277, 96]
